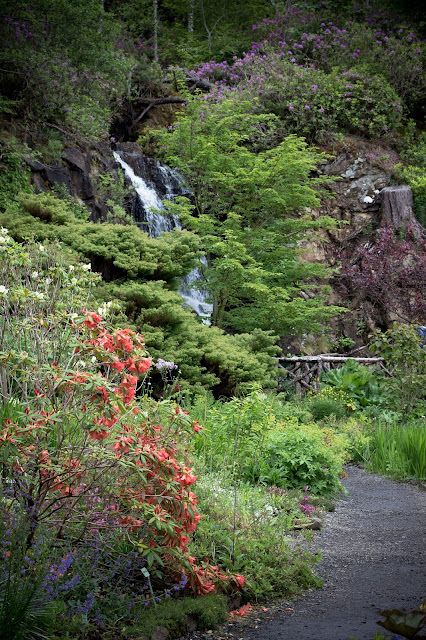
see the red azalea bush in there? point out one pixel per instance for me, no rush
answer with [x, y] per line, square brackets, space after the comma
[81, 454]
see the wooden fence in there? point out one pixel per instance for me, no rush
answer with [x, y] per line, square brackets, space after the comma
[304, 372]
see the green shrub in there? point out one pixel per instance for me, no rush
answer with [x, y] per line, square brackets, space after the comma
[296, 410]
[235, 432]
[324, 407]
[249, 529]
[312, 103]
[296, 456]
[244, 439]
[403, 352]
[46, 207]
[328, 402]
[412, 145]
[114, 250]
[315, 103]
[357, 435]
[14, 172]
[209, 611]
[79, 211]
[355, 383]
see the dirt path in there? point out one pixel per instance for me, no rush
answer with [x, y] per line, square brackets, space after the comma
[374, 548]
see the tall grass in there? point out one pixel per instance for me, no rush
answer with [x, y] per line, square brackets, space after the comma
[398, 451]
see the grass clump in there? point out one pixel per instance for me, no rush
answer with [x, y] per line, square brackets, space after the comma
[398, 450]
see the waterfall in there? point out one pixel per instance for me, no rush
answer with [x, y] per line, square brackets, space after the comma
[195, 298]
[162, 183]
[149, 201]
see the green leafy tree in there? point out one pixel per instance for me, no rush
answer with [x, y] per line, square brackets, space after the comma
[405, 356]
[250, 210]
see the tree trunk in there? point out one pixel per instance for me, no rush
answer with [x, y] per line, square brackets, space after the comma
[191, 16]
[397, 210]
[156, 30]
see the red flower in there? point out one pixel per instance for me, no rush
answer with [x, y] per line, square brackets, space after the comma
[239, 579]
[98, 435]
[144, 365]
[92, 320]
[119, 366]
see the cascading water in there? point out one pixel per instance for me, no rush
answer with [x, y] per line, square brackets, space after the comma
[149, 219]
[164, 184]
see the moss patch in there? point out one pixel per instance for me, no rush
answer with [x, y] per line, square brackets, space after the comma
[176, 615]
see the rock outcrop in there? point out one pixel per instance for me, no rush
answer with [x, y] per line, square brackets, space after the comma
[78, 171]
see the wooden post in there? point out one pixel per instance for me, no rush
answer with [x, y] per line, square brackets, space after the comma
[318, 385]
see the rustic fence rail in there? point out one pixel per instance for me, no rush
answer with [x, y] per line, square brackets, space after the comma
[304, 372]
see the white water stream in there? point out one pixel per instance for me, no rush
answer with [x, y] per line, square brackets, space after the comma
[157, 224]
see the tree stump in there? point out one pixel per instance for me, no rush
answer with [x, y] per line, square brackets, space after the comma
[397, 210]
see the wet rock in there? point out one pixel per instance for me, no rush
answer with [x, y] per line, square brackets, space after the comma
[191, 623]
[78, 173]
[58, 175]
[161, 633]
[34, 164]
[75, 158]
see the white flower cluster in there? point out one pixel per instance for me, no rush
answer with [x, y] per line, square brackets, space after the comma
[4, 237]
[105, 309]
[3, 290]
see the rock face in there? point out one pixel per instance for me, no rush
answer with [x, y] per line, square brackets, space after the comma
[359, 180]
[363, 201]
[355, 203]
[78, 172]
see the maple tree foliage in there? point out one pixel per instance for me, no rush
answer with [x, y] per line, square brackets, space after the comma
[390, 272]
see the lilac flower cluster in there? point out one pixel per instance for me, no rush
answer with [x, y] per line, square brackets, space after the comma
[164, 364]
[278, 69]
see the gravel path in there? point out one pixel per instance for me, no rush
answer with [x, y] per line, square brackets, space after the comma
[373, 549]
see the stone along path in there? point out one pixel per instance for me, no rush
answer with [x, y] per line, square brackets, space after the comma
[373, 550]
